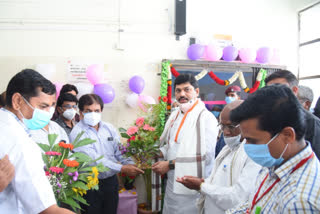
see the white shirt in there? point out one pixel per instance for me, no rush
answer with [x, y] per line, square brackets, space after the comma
[231, 180]
[41, 135]
[178, 203]
[30, 186]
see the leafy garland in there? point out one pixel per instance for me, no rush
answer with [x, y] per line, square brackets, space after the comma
[163, 99]
[238, 75]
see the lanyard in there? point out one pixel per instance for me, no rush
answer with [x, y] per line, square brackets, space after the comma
[255, 200]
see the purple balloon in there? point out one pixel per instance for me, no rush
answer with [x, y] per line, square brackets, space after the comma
[230, 53]
[136, 84]
[264, 54]
[195, 51]
[105, 91]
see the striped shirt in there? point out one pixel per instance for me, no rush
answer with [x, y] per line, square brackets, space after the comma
[296, 192]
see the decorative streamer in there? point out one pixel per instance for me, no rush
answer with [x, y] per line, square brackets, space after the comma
[163, 92]
[201, 74]
[243, 83]
[264, 75]
[174, 72]
[216, 79]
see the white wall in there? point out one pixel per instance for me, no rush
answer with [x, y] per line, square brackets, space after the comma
[38, 31]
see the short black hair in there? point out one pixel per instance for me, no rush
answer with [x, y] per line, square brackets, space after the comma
[317, 108]
[67, 88]
[28, 83]
[66, 97]
[289, 76]
[89, 99]
[185, 78]
[275, 107]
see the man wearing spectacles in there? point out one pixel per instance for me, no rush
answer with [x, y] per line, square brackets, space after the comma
[67, 106]
[230, 182]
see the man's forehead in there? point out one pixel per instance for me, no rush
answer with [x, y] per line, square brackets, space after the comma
[184, 85]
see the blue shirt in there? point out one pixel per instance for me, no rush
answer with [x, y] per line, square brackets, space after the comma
[107, 144]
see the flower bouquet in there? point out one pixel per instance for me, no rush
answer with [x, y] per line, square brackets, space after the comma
[142, 143]
[70, 174]
[127, 181]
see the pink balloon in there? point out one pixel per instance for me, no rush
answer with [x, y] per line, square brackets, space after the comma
[275, 57]
[58, 88]
[213, 53]
[247, 55]
[95, 74]
[145, 99]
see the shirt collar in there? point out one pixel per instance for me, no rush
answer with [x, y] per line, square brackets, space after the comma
[86, 126]
[285, 170]
[18, 120]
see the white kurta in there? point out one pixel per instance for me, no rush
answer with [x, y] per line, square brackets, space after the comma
[185, 204]
[41, 135]
[231, 181]
[30, 186]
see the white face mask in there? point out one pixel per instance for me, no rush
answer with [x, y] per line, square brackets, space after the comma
[186, 106]
[69, 113]
[232, 142]
[92, 118]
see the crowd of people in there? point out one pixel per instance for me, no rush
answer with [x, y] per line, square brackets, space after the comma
[258, 155]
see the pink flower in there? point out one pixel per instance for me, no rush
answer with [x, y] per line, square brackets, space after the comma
[132, 130]
[146, 127]
[52, 153]
[47, 173]
[139, 121]
[152, 129]
[56, 169]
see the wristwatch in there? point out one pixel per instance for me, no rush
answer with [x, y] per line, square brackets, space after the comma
[171, 164]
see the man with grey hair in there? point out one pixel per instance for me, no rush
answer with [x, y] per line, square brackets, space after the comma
[305, 96]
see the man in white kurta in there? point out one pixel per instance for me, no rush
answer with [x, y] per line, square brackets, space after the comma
[41, 135]
[231, 180]
[180, 138]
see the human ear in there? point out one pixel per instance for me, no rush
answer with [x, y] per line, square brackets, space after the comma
[16, 101]
[288, 135]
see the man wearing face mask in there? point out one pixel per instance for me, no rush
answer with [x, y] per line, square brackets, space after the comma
[67, 106]
[273, 123]
[105, 200]
[230, 182]
[30, 102]
[190, 138]
[232, 94]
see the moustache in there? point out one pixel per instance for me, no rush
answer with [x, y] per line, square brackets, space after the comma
[183, 98]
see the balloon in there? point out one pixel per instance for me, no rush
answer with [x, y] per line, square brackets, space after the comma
[247, 55]
[230, 53]
[132, 100]
[105, 91]
[58, 88]
[213, 53]
[136, 84]
[145, 99]
[84, 88]
[275, 57]
[264, 55]
[95, 74]
[195, 51]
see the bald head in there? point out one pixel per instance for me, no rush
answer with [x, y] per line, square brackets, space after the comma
[225, 118]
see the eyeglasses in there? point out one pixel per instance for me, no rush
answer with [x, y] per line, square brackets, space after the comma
[68, 106]
[231, 128]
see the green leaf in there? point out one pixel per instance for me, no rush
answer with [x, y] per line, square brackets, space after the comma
[80, 184]
[44, 147]
[77, 138]
[124, 135]
[99, 158]
[45, 159]
[122, 130]
[102, 168]
[72, 203]
[52, 138]
[80, 199]
[84, 142]
[81, 157]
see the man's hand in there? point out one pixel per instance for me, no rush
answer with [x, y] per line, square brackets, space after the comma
[131, 170]
[6, 172]
[161, 167]
[191, 182]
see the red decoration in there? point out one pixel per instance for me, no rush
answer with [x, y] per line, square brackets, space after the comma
[174, 72]
[254, 87]
[216, 79]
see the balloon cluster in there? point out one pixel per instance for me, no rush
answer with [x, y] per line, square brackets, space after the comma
[231, 53]
[136, 85]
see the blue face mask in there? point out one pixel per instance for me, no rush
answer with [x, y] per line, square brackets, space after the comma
[40, 118]
[216, 113]
[260, 154]
[230, 99]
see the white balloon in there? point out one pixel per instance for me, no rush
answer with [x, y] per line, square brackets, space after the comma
[132, 100]
[84, 88]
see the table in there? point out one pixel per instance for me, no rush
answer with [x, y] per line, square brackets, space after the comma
[128, 202]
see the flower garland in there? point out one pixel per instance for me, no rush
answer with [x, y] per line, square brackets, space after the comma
[237, 75]
[164, 92]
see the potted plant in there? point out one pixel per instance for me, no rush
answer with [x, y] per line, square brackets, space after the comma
[142, 144]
